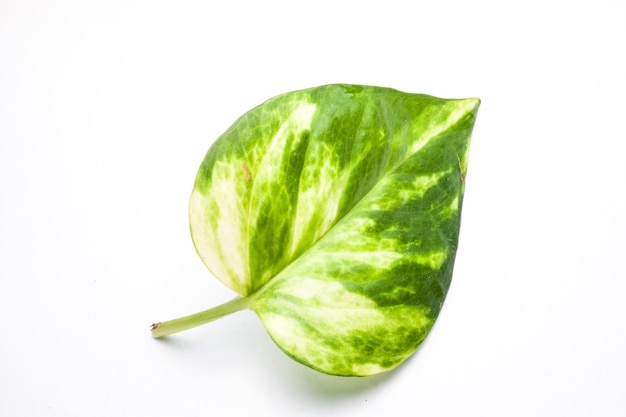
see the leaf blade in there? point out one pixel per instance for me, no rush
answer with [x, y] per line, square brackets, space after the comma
[348, 199]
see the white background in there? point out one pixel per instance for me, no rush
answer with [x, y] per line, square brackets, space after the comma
[108, 107]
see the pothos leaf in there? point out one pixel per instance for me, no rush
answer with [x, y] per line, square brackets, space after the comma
[334, 213]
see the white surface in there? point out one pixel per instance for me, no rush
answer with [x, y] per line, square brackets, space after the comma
[107, 109]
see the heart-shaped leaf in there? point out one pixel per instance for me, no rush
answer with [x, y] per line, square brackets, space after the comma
[334, 213]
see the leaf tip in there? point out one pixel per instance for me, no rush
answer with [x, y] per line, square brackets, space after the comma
[473, 103]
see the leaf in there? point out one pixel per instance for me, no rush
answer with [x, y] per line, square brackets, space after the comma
[334, 212]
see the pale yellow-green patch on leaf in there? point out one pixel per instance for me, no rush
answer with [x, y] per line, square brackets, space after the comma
[320, 180]
[316, 333]
[219, 224]
[434, 259]
[434, 126]
[451, 210]
[321, 291]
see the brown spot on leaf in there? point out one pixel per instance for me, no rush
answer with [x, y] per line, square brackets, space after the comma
[246, 170]
[461, 169]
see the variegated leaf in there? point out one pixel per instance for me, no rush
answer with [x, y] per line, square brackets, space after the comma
[335, 212]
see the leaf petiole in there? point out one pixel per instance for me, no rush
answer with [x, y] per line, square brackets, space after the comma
[165, 328]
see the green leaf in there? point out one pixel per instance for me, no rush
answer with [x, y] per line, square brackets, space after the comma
[334, 213]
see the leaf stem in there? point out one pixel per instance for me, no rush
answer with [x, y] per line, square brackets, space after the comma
[165, 328]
